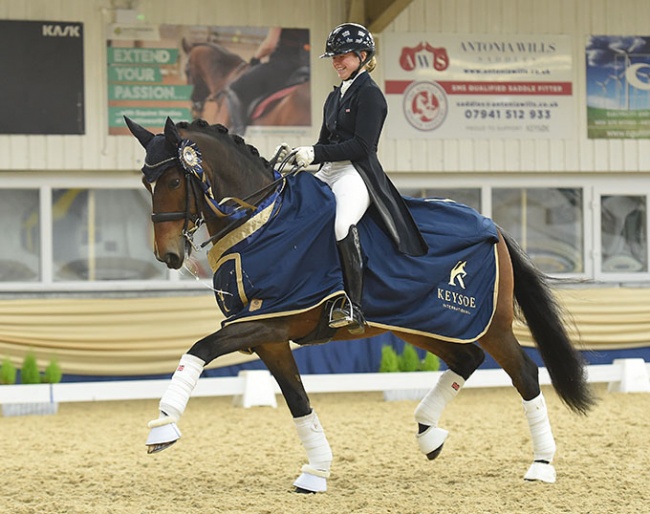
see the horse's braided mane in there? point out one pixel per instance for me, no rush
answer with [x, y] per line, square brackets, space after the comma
[220, 131]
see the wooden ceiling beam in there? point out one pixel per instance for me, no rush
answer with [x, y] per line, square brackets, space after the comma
[376, 15]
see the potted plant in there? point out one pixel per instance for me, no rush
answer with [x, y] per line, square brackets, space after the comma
[407, 361]
[7, 372]
[30, 375]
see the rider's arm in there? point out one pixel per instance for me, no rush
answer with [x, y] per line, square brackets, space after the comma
[269, 44]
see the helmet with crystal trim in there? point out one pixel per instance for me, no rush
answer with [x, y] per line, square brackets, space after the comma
[350, 37]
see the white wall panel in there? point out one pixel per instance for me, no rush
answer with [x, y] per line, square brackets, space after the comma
[578, 18]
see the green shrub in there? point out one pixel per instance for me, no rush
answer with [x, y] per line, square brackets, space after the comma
[430, 362]
[29, 373]
[52, 374]
[7, 372]
[389, 360]
[409, 360]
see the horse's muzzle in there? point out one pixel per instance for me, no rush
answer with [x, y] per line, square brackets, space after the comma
[173, 260]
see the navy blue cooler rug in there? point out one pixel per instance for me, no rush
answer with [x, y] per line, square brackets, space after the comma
[284, 261]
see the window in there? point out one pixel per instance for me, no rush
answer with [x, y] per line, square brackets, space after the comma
[93, 232]
[624, 243]
[102, 234]
[20, 260]
[547, 223]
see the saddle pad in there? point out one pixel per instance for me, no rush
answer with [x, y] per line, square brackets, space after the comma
[284, 261]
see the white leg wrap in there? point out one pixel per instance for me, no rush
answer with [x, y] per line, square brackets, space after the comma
[184, 380]
[430, 409]
[543, 441]
[319, 454]
[540, 428]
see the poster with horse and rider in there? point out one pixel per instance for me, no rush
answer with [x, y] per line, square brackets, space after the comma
[254, 80]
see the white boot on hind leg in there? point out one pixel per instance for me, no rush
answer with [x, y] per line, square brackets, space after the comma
[543, 441]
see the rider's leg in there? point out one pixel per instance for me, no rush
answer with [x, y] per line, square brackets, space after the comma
[349, 314]
[352, 201]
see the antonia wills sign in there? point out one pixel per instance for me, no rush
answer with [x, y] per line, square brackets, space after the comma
[487, 86]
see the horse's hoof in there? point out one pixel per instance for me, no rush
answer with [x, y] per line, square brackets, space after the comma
[540, 471]
[307, 483]
[163, 434]
[300, 490]
[432, 455]
[155, 448]
[431, 441]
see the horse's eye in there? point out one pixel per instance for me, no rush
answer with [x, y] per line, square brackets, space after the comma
[175, 183]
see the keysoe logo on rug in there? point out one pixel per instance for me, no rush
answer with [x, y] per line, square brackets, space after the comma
[454, 300]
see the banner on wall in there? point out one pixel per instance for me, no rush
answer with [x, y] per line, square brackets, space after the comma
[449, 86]
[618, 87]
[208, 72]
[42, 77]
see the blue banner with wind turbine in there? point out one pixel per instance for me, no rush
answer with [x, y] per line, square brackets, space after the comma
[618, 87]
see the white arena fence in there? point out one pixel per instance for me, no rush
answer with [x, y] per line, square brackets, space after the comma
[258, 388]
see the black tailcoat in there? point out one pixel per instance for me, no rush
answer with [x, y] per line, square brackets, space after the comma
[350, 131]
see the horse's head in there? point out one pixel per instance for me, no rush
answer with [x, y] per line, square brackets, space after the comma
[180, 170]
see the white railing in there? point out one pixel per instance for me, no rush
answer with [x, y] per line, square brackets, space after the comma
[257, 388]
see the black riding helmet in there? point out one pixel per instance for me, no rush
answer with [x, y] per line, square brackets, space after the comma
[350, 37]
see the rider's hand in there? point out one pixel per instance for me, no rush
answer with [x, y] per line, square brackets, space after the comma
[282, 150]
[304, 155]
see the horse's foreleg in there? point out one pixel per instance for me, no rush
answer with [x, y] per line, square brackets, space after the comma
[462, 360]
[280, 362]
[164, 430]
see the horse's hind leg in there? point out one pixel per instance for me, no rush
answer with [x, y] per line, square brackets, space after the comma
[524, 374]
[462, 360]
[280, 362]
[500, 342]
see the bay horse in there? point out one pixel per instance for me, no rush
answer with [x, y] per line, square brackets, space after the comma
[211, 68]
[198, 173]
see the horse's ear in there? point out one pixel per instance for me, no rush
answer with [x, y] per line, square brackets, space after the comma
[172, 135]
[140, 133]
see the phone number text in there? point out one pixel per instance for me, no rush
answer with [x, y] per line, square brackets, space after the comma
[508, 114]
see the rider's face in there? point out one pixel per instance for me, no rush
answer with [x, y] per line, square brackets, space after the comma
[346, 64]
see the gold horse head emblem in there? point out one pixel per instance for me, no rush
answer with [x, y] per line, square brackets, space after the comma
[457, 274]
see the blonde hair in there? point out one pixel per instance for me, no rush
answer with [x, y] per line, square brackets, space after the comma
[371, 64]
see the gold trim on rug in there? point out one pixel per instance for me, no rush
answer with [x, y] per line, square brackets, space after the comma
[237, 236]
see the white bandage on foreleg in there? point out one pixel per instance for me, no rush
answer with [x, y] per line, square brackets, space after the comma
[540, 428]
[184, 380]
[312, 436]
[430, 409]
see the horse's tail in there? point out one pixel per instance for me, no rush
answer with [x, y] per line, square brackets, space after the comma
[544, 318]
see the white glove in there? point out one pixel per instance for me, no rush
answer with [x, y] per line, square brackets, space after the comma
[282, 150]
[304, 156]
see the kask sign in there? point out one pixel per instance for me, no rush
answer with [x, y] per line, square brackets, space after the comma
[486, 86]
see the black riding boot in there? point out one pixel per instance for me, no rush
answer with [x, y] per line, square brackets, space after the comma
[345, 314]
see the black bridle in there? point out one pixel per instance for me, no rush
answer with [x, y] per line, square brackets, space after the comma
[243, 209]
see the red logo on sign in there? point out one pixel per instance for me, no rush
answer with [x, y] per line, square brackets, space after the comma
[424, 56]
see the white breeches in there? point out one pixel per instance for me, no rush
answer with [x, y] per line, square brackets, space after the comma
[350, 191]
